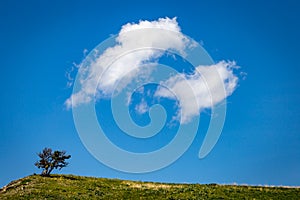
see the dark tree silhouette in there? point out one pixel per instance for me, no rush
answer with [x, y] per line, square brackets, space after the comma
[51, 160]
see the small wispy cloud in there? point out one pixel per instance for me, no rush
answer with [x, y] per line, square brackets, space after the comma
[142, 107]
[69, 74]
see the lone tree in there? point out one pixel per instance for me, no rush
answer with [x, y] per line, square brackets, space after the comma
[51, 160]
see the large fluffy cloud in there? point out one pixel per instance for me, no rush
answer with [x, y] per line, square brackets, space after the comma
[111, 67]
[145, 42]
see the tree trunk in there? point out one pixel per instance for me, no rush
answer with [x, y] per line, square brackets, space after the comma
[50, 170]
[45, 172]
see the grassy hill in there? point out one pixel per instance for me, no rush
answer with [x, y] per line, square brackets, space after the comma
[78, 187]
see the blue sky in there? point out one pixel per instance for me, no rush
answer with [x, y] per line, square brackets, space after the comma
[260, 142]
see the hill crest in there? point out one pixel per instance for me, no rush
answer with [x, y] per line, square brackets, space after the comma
[80, 187]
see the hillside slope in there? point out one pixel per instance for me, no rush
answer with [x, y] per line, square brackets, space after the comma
[78, 187]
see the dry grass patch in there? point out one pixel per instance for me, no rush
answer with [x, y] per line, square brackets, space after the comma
[146, 185]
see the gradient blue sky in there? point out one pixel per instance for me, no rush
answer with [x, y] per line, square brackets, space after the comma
[260, 143]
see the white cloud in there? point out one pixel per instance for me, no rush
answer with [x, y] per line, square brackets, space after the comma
[208, 85]
[142, 107]
[137, 44]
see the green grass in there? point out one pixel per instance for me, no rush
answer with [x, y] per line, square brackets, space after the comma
[78, 187]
